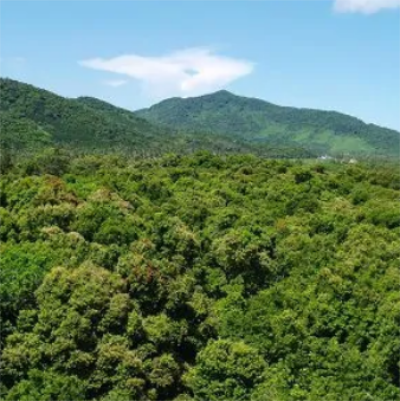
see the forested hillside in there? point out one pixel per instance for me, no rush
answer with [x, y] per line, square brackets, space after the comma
[262, 122]
[198, 278]
[32, 119]
[73, 123]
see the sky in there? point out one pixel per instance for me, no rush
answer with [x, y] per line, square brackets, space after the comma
[339, 55]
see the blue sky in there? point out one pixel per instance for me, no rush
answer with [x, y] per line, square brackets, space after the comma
[341, 56]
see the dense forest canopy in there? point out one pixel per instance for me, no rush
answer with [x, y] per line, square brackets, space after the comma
[198, 277]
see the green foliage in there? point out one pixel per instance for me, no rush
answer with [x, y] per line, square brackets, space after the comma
[32, 119]
[226, 370]
[67, 121]
[263, 122]
[47, 386]
[18, 132]
[198, 278]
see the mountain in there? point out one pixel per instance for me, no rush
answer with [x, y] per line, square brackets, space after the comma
[32, 118]
[29, 114]
[263, 122]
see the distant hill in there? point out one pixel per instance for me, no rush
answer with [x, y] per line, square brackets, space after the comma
[27, 111]
[262, 122]
[32, 118]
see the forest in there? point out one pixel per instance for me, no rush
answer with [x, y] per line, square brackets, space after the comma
[265, 123]
[33, 119]
[197, 277]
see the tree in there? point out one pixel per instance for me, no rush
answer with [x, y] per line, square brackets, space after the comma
[48, 386]
[226, 370]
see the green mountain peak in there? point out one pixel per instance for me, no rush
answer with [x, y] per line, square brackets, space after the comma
[261, 122]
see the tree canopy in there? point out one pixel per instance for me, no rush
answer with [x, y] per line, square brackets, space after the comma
[198, 277]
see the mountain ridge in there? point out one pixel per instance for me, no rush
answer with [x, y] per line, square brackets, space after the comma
[68, 120]
[220, 122]
[32, 118]
[227, 93]
[261, 121]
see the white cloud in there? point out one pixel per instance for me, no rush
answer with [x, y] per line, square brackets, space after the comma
[115, 83]
[188, 72]
[365, 6]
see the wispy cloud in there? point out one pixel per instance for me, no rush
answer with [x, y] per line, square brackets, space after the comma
[365, 6]
[188, 72]
[115, 83]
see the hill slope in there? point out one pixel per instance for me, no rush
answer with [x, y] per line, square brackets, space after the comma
[260, 121]
[27, 109]
[32, 118]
